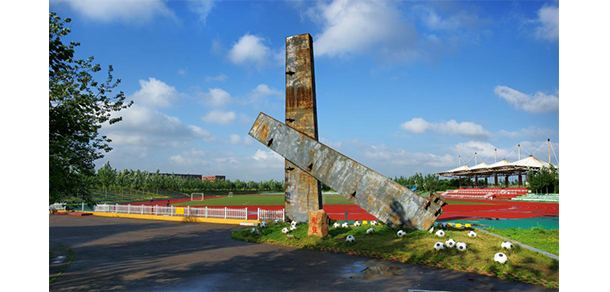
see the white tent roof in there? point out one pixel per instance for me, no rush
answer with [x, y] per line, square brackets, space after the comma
[501, 163]
[530, 162]
[481, 165]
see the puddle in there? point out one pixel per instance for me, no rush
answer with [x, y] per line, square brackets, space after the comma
[375, 271]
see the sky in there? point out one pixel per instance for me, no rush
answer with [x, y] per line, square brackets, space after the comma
[401, 86]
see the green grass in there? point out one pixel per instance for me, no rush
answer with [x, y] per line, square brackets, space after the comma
[417, 247]
[543, 239]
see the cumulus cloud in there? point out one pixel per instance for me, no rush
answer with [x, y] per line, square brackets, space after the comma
[220, 117]
[155, 93]
[547, 23]
[217, 97]
[250, 49]
[147, 127]
[137, 11]
[460, 19]
[465, 129]
[352, 27]
[193, 157]
[537, 103]
[269, 155]
[201, 8]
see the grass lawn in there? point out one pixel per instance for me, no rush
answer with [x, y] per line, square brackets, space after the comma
[543, 239]
[417, 247]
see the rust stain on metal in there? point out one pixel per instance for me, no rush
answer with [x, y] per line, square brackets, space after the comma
[303, 192]
[380, 196]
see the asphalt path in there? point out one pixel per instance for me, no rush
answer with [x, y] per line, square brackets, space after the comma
[145, 255]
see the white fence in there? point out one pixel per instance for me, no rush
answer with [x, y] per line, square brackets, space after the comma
[188, 211]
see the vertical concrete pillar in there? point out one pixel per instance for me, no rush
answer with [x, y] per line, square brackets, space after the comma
[303, 191]
[506, 181]
[496, 179]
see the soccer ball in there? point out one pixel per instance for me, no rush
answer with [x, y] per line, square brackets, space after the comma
[401, 233]
[461, 246]
[472, 234]
[439, 246]
[263, 224]
[450, 242]
[294, 223]
[373, 223]
[370, 231]
[500, 258]
[440, 233]
[285, 230]
[357, 223]
[350, 238]
[336, 225]
[255, 231]
[276, 221]
[345, 225]
[293, 227]
[507, 245]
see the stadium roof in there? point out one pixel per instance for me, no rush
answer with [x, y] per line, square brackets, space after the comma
[501, 167]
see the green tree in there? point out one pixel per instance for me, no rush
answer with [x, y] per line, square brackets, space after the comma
[544, 181]
[78, 106]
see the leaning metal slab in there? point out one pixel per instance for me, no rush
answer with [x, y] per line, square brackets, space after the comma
[303, 191]
[380, 196]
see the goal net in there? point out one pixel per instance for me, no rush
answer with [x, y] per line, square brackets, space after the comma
[230, 195]
[197, 196]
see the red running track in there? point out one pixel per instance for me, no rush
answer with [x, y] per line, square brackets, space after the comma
[495, 209]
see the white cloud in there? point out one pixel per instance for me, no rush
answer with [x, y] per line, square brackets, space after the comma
[137, 11]
[155, 93]
[220, 117]
[239, 140]
[201, 8]
[353, 27]
[461, 19]
[220, 77]
[547, 23]
[144, 126]
[269, 155]
[194, 157]
[250, 49]
[181, 72]
[217, 97]
[538, 103]
[465, 129]
[396, 156]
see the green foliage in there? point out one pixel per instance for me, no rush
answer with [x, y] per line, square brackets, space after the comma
[544, 181]
[78, 106]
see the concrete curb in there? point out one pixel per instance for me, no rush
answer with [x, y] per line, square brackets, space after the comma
[555, 257]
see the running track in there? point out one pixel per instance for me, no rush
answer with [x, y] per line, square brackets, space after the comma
[495, 209]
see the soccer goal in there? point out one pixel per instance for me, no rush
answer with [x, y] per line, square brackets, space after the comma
[230, 195]
[197, 196]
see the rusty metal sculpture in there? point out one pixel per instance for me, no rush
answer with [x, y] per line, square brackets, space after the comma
[303, 191]
[380, 196]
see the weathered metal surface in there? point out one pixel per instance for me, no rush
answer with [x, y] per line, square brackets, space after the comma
[382, 197]
[303, 191]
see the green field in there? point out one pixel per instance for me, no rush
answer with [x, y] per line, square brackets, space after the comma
[417, 247]
[543, 239]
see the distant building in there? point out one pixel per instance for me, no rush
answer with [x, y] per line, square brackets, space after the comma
[214, 178]
[190, 176]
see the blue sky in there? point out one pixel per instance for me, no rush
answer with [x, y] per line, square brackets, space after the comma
[402, 86]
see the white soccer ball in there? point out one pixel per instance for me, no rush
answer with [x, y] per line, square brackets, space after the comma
[336, 225]
[440, 233]
[500, 258]
[472, 234]
[285, 230]
[357, 223]
[345, 225]
[450, 242]
[439, 246]
[350, 238]
[373, 223]
[263, 224]
[370, 231]
[507, 245]
[461, 246]
[401, 233]
[293, 227]
[276, 221]
[255, 231]
[294, 223]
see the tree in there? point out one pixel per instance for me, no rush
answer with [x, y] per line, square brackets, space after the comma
[544, 181]
[78, 106]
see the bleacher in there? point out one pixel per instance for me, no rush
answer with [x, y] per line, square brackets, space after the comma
[485, 193]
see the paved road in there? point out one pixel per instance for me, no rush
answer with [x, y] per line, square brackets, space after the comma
[144, 255]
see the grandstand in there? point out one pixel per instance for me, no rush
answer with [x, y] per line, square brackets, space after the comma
[497, 170]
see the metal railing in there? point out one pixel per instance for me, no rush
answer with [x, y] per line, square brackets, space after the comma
[188, 211]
